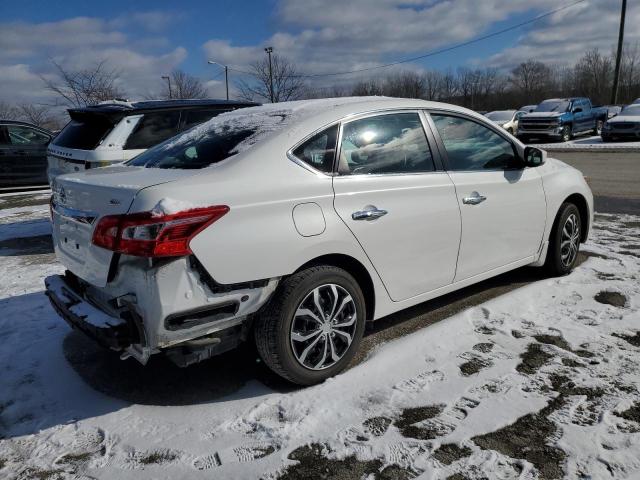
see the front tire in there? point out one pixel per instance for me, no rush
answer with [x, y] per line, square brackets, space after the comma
[312, 327]
[566, 133]
[564, 242]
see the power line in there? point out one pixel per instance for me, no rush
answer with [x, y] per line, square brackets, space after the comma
[436, 52]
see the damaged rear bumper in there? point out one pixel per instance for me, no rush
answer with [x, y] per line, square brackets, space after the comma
[111, 332]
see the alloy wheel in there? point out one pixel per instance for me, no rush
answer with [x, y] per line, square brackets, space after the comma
[570, 240]
[323, 327]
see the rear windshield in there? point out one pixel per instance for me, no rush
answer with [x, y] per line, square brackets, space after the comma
[84, 133]
[196, 152]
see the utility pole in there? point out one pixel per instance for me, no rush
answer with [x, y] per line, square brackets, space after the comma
[226, 74]
[168, 79]
[269, 50]
[616, 74]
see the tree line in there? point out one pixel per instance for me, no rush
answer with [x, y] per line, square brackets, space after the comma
[481, 88]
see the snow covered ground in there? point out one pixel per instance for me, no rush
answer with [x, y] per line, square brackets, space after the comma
[539, 383]
[590, 143]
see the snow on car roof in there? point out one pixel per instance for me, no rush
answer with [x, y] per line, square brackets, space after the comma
[264, 120]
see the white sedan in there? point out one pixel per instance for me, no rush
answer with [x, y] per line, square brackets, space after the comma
[297, 223]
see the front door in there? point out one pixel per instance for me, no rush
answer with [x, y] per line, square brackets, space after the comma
[502, 205]
[399, 206]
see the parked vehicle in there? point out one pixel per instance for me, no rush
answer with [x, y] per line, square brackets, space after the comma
[612, 110]
[528, 108]
[23, 154]
[637, 100]
[115, 131]
[625, 126]
[562, 119]
[297, 223]
[507, 119]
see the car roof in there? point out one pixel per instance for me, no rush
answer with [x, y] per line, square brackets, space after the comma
[298, 119]
[26, 124]
[123, 106]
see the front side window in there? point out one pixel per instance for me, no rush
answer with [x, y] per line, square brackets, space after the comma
[152, 129]
[319, 151]
[25, 136]
[393, 143]
[472, 146]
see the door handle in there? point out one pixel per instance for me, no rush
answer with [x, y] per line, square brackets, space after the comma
[368, 213]
[474, 199]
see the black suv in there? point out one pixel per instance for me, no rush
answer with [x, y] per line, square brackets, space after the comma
[116, 131]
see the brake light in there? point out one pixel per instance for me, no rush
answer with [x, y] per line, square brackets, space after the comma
[148, 235]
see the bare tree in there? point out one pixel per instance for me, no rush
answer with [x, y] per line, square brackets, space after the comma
[531, 78]
[287, 84]
[184, 86]
[404, 85]
[432, 84]
[39, 115]
[365, 88]
[593, 76]
[88, 86]
[8, 111]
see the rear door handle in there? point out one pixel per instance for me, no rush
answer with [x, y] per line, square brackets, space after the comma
[474, 199]
[368, 213]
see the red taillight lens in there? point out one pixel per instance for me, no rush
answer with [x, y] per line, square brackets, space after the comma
[148, 235]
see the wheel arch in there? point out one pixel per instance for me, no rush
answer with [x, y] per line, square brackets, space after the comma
[583, 208]
[356, 269]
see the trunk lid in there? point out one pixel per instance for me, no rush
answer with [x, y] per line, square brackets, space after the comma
[80, 200]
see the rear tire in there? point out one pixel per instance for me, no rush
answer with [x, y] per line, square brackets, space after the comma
[564, 241]
[312, 327]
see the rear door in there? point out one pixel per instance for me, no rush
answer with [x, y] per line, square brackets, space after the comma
[503, 205]
[398, 204]
[25, 155]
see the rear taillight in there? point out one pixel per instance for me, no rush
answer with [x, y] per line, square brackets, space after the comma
[149, 235]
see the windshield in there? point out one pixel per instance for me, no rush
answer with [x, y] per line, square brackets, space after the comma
[631, 111]
[553, 106]
[500, 116]
[196, 152]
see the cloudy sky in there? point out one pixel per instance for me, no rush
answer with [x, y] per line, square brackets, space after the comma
[146, 39]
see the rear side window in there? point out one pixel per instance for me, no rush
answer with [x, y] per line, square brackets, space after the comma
[196, 152]
[319, 151]
[152, 129]
[191, 118]
[472, 146]
[84, 134]
[393, 143]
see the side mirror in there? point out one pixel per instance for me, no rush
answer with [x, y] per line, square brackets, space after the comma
[577, 110]
[534, 157]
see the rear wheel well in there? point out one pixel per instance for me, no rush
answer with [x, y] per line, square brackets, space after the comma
[580, 202]
[356, 269]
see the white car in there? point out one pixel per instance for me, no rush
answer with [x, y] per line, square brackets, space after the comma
[297, 223]
[507, 119]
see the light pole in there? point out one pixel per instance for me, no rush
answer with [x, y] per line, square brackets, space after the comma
[226, 74]
[616, 73]
[168, 79]
[269, 50]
